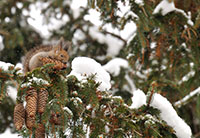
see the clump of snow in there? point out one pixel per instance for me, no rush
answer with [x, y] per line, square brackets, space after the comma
[166, 6]
[138, 99]
[12, 92]
[20, 66]
[94, 17]
[114, 44]
[79, 35]
[4, 65]
[82, 67]
[168, 114]
[139, 2]
[153, 45]
[76, 5]
[114, 66]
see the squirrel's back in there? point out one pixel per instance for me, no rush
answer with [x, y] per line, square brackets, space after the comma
[57, 52]
[32, 52]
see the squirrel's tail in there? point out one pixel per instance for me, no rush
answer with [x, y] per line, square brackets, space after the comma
[25, 63]
[31, 53]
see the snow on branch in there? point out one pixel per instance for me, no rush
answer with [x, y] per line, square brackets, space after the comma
[4, 65]
[138, 99]
[187, 98]
[165, 7]
[114, 65]
[167, 112]
[82, 67]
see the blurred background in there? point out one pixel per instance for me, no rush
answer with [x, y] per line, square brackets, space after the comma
[151, 40]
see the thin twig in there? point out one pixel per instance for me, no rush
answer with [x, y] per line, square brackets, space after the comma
[115, 35]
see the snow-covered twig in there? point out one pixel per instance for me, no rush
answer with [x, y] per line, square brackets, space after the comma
[187, 98]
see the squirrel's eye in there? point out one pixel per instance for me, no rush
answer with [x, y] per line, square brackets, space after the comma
[61, 56]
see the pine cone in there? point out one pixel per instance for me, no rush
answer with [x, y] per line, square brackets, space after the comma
[31, 105]
[46, 60]
[30, 122]
[58, 64]
[55, 119]
[42, 100]
[19, 115]
[40, 131]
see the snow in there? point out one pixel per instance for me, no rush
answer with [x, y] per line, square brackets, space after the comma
[36, 80]
[166, 6]
[12, 92]
[1, 43]
[82, 67]
[37, 19]
[153, 45]
[187, 97]
[168, 114]
[8, 134]
[187, 77]
[131, 83]
[114, 66]
[20, 66]
[138, 99]
[114, 44]
[4, 65]
[68, 110]
[139, 2]
[94, 17]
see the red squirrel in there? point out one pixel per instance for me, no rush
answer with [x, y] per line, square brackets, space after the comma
[57, 52]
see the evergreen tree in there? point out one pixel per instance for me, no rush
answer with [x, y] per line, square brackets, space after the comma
[162, 55]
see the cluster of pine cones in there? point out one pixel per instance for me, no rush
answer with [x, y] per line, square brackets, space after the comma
[35, 103]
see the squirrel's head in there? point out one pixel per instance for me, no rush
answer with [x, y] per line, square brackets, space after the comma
[60, 51]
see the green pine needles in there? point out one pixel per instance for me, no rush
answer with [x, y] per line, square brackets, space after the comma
[77, 109]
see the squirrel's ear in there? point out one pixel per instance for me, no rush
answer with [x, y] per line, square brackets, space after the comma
[60, 44]
[67, 45]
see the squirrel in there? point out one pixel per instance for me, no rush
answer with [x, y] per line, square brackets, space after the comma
[57, 52]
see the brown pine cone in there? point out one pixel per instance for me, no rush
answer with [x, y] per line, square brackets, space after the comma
[40, 131]
[58, 64]
[42, 100]
[31, 102]
[46, 60]
[55, 119]
[19, 115]
[30, 122]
